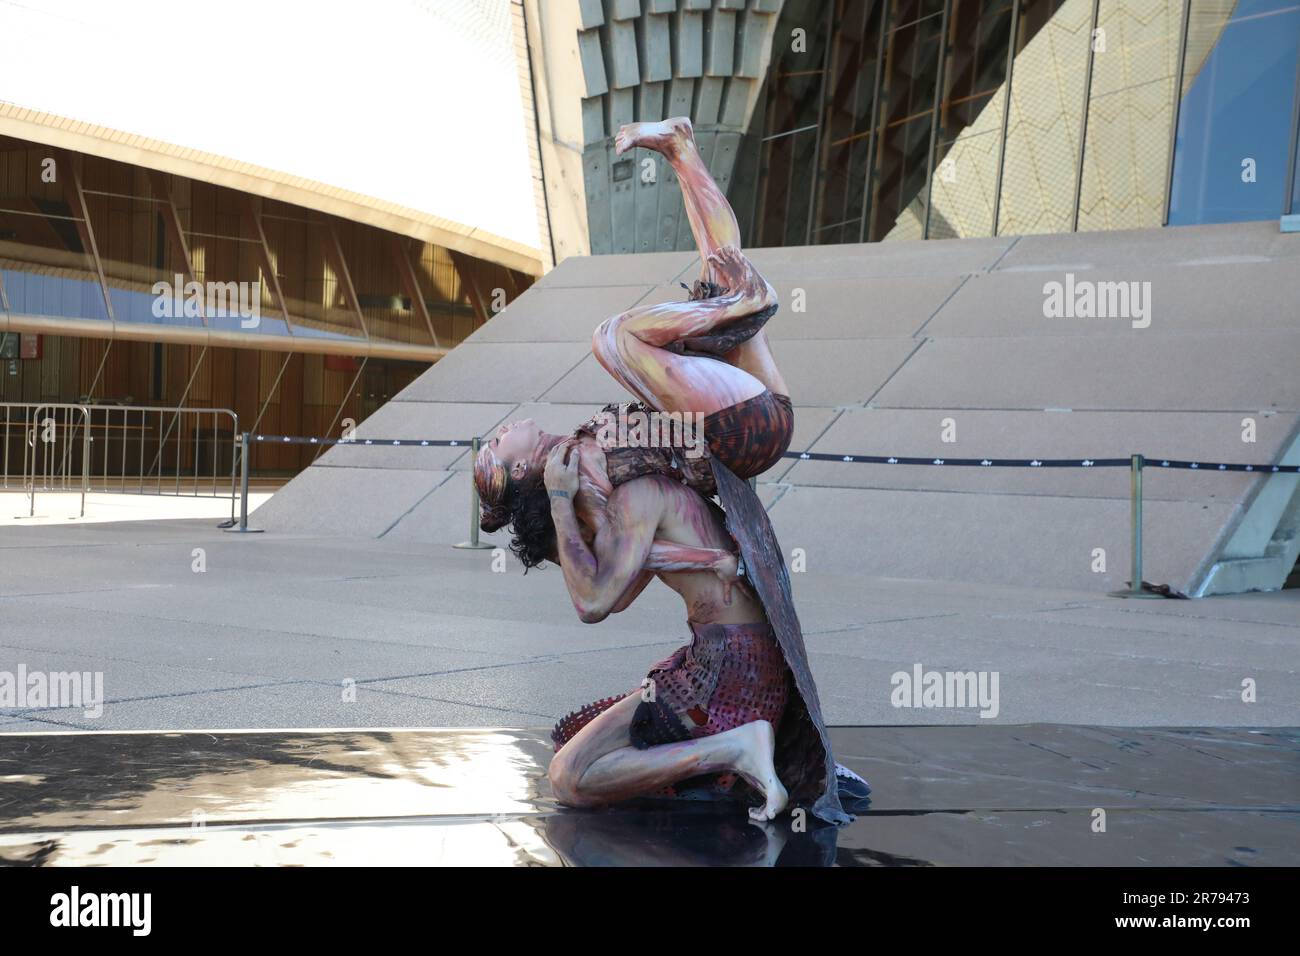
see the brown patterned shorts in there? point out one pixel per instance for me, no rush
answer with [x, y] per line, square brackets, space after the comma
[751, 436]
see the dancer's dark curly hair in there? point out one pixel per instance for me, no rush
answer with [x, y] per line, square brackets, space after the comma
[523, 504]
[529, 504]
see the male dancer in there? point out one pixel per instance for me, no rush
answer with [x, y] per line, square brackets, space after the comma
[740, 700]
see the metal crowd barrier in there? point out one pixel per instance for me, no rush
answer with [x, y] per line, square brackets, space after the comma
[1135, 463]
[119, 449]
[48, 435]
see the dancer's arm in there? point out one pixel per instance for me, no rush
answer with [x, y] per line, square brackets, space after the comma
[669, 556]
[633, 592]
[591, 504]
[598, 577]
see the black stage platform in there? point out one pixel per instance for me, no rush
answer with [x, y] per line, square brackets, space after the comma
[943, 796]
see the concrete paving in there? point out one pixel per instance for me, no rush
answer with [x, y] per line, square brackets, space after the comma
[61, 507]
[195, 628]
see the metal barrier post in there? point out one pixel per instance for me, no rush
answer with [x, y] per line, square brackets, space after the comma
[1135, 519]
[473, 544]
[85, 456]
[34, 437]
[243, 527]
[243, 481]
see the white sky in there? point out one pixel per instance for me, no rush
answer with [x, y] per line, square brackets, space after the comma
[412, 101]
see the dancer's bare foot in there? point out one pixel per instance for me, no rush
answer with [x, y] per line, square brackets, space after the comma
[664, 137]
[757, 743]
[730, 269]
[734, 271]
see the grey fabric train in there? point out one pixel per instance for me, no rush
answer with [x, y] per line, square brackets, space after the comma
[804, 760]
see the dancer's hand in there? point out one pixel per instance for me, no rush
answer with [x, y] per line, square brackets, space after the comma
[596, 475]
[560, 476]
[728, 571]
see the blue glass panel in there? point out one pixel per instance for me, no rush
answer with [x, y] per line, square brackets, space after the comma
[60, 296]
[1234, 123]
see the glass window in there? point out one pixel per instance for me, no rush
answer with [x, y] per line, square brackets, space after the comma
[312, 288]
[134, 250]
[1130, 111]
[907, 113]
[372, 262]
[1234, 122]
[846, 126]
[1045, 121]
[445, 295]
[45, 260]
[227, 257]
[1295, 185]
[969, 133]
[787, 141]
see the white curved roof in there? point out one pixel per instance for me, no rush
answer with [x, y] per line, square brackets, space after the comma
[414, 103]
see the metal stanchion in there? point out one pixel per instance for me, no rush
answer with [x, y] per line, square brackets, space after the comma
[85, 457]
[35, 436]
[243, 489]
[473, 544]
[1135, 517]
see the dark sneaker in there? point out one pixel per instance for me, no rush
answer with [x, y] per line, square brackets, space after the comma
[855, 793]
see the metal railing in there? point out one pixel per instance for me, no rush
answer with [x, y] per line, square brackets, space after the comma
[119, 449]
[54, 439]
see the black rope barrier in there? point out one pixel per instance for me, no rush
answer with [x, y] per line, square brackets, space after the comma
[853, 459]
[965, 462]
[416, 442]
[1135, 464]
[1223, 466]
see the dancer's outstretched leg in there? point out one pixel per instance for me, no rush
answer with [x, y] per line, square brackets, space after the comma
[713, 224]
[635, 347]
[600, 766]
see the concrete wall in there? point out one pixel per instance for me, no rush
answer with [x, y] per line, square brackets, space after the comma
[893, 340]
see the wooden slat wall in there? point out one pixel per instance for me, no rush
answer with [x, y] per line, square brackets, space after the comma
[126, 216]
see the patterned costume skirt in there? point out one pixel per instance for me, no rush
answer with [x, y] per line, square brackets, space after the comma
[729, 675]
